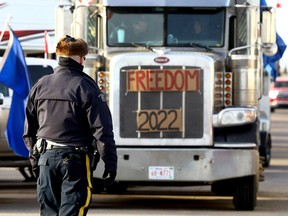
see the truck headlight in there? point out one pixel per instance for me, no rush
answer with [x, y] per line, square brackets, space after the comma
[234, 116]
[273, 94]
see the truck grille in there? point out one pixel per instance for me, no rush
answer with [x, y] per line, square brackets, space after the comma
[156, 113]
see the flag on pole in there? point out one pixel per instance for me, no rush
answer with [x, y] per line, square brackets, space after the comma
[46, 43]
[14, 74]
[48, 48]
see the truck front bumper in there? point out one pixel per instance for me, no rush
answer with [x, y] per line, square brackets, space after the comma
[185, 164]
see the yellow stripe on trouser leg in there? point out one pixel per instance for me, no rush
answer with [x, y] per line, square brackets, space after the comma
[88, 170]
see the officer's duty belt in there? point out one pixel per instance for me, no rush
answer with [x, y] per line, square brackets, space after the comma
[52, 145]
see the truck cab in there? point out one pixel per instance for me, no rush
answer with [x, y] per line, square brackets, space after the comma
[183, 80]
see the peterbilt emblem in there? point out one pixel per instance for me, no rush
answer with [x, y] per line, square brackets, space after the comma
[161, 60]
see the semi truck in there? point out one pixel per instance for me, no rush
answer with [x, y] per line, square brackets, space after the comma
[183, 80]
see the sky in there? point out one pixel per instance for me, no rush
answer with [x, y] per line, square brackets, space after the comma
[29, 14]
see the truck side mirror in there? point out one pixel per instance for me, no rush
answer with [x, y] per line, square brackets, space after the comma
[268, 31]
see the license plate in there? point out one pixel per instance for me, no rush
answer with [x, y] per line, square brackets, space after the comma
[161, 172]
[166, 120]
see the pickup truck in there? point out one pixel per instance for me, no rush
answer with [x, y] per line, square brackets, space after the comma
[37, 68]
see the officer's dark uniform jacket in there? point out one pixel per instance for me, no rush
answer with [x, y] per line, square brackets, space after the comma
[87, 117]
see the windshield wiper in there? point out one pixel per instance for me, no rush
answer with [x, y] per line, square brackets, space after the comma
[142, 45]
[197, 45]
[132, 44]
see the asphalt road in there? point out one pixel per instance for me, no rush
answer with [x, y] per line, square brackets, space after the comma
[17, 198]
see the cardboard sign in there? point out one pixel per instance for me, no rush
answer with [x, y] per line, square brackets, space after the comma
[166, 120]
[163, 80]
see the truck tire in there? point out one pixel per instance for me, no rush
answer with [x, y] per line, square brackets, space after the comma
[265, 148]
[245, 197]
[267, 153]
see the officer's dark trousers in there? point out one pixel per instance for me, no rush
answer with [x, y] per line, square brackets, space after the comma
[64, 183]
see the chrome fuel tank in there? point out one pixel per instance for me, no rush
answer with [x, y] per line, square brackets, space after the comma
[246, 78]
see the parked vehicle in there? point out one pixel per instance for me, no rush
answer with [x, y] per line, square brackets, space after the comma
[279, 93]
[37, 67]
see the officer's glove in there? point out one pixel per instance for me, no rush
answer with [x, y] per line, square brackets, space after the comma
[34, 158]
[109, 177]
[35, 170]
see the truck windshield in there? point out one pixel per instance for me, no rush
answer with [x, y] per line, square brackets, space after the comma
[172, 27]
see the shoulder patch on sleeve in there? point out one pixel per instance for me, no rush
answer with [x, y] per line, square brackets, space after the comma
[102, 97]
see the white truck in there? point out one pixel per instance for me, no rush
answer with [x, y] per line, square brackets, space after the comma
[183, 80]
[37, 67]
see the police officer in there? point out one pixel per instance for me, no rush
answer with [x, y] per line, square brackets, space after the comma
[65, 113]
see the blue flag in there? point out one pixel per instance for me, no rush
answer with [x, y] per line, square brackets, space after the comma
[14, 74]
[271, 60]
[272, 69]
